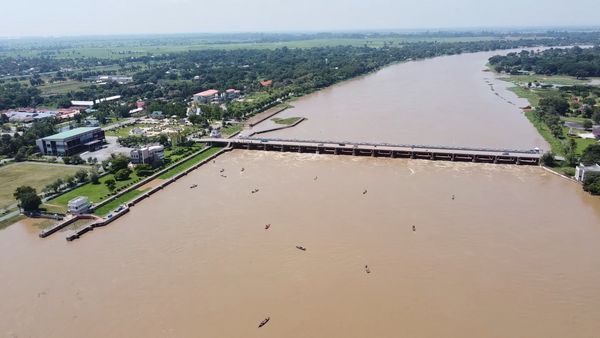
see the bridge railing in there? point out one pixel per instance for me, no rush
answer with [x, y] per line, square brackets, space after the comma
[413, 146]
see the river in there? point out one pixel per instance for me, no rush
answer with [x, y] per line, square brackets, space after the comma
[514, 254]
[448, 101]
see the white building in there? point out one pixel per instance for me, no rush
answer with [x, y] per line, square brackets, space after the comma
[581, 170]
[79, 205]
[147, 154]
[206, 96]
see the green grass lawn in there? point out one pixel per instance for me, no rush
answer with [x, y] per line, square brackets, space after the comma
[230, 130]
[189, 163]
[555, 79]
[112, 205]
[532, 95]
[62, 87]
[36, 175]
[95, 192]
[286, 121]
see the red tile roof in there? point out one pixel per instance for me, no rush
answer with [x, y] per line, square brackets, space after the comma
[266, 83]
[207, 93]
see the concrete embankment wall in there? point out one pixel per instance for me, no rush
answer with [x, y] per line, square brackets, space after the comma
[152, 191]
[47, 232]
[266, 116]
[145, 181]
[278, 128]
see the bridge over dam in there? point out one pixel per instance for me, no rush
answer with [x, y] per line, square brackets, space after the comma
[440, 153]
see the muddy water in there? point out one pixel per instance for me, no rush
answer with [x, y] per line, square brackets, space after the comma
[441, 101]
[515, 254]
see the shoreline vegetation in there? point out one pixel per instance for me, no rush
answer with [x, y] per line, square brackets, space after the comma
[563, 101]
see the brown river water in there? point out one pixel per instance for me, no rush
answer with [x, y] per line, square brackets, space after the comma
[516, 253]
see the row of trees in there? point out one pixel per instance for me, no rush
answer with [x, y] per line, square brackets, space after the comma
[81, 176]
[574, 61]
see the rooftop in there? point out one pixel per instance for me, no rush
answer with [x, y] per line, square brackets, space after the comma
[70, 133]
[209, 92]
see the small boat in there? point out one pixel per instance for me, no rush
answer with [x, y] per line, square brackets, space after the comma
[316, 178]
[243, 169]
[414, 228]
[267, 226]
[222, 170]
[300, 248]
[367, 270]
[255, 191]
[453, 197]
[224, 176]
[265, 321]
[193, 186]
[365, 192]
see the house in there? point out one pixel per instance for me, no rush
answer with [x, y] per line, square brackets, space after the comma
[79, 205]
[581, 170]
[266, 83]
[148, 155]
[232, 93]
[206, 96]
[215, 133]
[91, 122]
[140, 104]
[72, 141]
[157, 114]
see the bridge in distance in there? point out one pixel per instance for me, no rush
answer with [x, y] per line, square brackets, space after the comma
[440, 153]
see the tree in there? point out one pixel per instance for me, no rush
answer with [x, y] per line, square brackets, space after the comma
[570, 152]
[591, 183]
[94, 177]
[67, 159]
[21, 155]
[591, 155]
[596, 117]
[548, 159]
[118, 162]
[111, 184]
[71, 181]
[144, 170]
[554, 105]
[77, 160]
[28, 198]
[197, 119]
[122, 174]
[81, 175]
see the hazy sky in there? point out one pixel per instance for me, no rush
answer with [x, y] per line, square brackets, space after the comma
[83, 17]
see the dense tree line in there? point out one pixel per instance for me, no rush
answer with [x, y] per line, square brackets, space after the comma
[179, 75]
[576, 61]
[22, 145]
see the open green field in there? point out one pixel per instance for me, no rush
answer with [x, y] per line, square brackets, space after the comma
[112, 205]
[95, 193]
[62, 87]
[546, 79]
[137, 48]
[34, 174]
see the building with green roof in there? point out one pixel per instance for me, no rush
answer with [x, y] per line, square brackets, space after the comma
[72, 141]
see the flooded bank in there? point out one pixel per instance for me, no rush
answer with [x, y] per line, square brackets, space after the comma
[200, 260]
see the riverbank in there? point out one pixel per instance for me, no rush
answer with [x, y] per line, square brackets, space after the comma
[533, 94]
